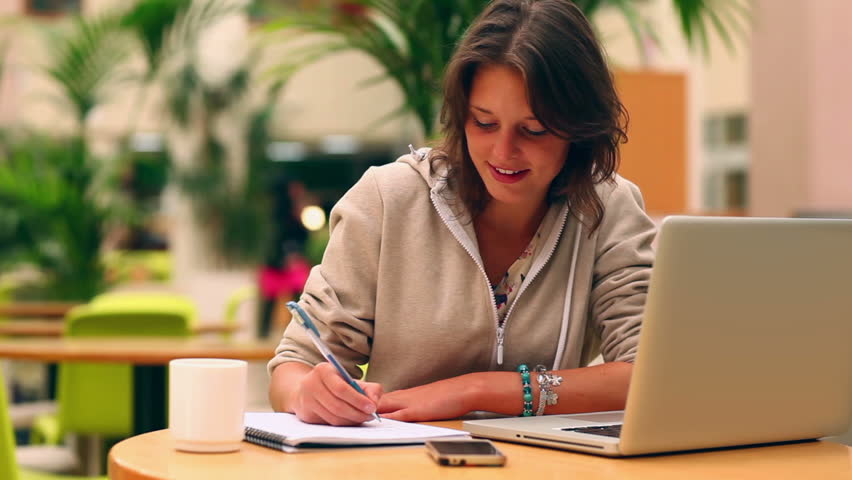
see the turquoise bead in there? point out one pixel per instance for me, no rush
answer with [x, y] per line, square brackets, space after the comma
[528, 397]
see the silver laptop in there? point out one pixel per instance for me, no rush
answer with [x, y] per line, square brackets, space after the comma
[747, 339]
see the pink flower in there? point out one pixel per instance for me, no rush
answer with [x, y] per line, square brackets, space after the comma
[290, 280]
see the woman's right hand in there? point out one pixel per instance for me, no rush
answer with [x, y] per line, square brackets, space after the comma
[323, 396]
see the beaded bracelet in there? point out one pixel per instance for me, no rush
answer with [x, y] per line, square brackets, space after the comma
[546, 382]
[528, 396]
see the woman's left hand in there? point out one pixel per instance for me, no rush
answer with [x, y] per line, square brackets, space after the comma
[441, 400]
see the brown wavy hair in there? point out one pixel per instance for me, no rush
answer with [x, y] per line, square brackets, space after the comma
[570, 89]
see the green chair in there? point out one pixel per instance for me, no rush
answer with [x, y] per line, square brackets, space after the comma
[98, 398]
[8, 466]
[135, 301]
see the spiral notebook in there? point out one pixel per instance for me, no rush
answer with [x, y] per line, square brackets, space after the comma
[285, 432]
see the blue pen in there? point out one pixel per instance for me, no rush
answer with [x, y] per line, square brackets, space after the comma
[304, 320]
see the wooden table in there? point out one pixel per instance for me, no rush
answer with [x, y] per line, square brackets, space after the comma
[152, 457]
[138, 351]
[56, 327]
[36, 309]
[149, 357]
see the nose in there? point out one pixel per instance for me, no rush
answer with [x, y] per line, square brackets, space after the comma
[505, 147]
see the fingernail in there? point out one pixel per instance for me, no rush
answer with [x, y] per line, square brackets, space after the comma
[368, 408]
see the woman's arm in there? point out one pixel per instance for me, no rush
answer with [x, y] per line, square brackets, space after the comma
[589, 389]
[281, 393]
[624, 258]
[339, 296]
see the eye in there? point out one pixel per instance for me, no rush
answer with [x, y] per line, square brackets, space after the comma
[484, 126]
[535, 133]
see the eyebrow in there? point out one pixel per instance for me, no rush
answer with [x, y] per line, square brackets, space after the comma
[489, 112]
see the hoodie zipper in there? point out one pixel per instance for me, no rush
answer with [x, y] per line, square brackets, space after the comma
[534, 271]
[459, 236]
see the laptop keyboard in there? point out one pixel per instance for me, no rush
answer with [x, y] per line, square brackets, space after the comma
[605, 430]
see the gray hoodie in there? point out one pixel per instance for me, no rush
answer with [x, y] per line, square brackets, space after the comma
[402, 286]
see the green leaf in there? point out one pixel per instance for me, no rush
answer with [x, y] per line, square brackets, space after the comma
[85, 59]
[699, 18]
[411, 40]
[150, 20]
[52, 212]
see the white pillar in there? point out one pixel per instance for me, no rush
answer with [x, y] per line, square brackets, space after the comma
[801, 126]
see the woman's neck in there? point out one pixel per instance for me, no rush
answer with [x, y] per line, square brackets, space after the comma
[512, 220]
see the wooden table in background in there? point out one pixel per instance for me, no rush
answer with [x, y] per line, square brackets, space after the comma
[149, 356]
[138, 351]
[152, 457]
[56, 327]
[35, 309]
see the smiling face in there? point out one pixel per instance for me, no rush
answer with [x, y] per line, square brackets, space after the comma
[516, 157]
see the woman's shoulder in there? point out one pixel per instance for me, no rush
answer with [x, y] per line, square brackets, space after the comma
[412, 172]
[396, 185]
[624, 211]
[397, 173]
[618, 191]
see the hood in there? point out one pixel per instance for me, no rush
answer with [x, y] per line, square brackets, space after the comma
[433, 173]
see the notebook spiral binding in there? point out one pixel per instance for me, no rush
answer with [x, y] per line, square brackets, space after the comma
[264, 438]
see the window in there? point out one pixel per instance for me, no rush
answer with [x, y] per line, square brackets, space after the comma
[725, 131]
[727, 159]
[736, 129]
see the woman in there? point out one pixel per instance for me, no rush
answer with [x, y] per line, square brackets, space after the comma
[512, 244]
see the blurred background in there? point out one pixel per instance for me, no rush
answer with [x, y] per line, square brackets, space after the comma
[170, 140]
[196, 146]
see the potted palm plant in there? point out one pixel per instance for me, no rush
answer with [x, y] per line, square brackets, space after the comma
[413, 40]
[223, 182]
[57, 199]
[216, 135]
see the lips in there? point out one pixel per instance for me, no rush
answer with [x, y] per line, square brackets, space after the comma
[505, 175]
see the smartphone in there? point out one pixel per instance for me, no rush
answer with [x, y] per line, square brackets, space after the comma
[465, 452]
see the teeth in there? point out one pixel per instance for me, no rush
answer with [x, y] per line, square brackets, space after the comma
[507, 172]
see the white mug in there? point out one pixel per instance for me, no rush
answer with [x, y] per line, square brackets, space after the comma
[207, 398]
